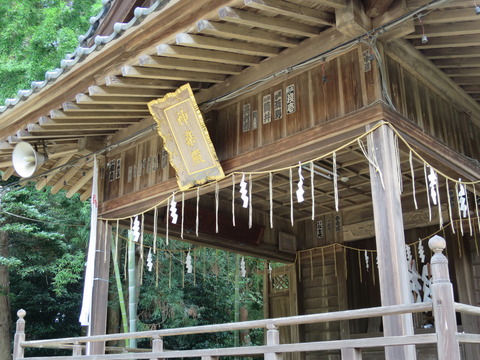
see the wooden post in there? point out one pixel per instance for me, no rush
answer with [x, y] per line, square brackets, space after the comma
[157, 346]
[351, 354]
[98, 325]
[443, 306]
[273, 338]
[77, 349]
[18, 350]
[390, 239]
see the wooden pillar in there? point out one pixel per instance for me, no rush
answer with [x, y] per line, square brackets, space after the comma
[18, 351]
[98, 323]
[390, 238]
[443, 306]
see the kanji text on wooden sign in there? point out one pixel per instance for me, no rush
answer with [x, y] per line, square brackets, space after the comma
[186, 138]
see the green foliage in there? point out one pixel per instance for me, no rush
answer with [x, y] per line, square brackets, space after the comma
[47, 258]
[203, 297]
[35, 35]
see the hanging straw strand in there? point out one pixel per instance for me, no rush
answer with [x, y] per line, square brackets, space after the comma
[410, 159]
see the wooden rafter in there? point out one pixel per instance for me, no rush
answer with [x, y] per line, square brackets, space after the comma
[238, 32]
[210, 43]
[160, 74]
[160, 62]
[181, 52]
[299, 12]
[251, 19]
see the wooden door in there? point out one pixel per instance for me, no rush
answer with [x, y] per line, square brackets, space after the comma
[281, 300]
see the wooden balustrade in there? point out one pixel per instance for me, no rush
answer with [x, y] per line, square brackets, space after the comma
[443, 306]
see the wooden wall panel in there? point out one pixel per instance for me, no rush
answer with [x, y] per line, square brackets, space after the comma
[136, 168]
[414, 99]
[349, 70]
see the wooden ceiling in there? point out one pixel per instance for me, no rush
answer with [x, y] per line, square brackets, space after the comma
[208, 53]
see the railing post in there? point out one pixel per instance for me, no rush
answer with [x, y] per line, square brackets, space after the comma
[77, 349]
[443, 305]
[273, 338]
[18, 351]
[157, 346]
[351, 354]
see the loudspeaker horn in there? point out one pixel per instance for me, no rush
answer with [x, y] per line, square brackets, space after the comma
[26, 160]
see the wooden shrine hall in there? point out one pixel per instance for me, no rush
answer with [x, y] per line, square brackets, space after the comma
[344, 135]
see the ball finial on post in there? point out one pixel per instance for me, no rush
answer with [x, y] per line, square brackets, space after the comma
[21, 313]
[437, 244]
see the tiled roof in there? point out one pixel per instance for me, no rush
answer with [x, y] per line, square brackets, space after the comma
[82, 51]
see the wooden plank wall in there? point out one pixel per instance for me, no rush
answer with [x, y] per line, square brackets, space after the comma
[438, 117]
[322, 93]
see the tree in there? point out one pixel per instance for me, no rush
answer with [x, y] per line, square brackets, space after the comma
[46, 260]
[35, 35]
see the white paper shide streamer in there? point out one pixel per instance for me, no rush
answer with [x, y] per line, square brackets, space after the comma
[244, 191]
[149, 260]
[300, 190]
[243, 271]
[421, 252]
[462, 199]
[136, 229]
[188, 263]
[433, 185]
[173, 210]
[89, 273]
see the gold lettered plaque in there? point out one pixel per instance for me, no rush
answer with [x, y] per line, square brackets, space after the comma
[186, 138]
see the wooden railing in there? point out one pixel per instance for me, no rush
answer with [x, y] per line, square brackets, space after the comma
[443, 307]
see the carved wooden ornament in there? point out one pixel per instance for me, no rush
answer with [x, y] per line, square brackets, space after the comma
[186, 138]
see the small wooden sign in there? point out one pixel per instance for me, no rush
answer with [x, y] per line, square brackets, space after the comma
[186, 138]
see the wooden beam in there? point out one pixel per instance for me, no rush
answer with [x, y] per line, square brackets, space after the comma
[466, 80]
[63, 181]
[60, 117]
[450, 16]
[463, 72]
[351, 20]
[94, 130]
[462, 62]
[447, 41]
[210, 43]
[396, 11]
[181, 52]
[71, 107]
[121, 82]
[296, 11]
[160, 74]
[7, 173]
[306, 50]
[449, 29]
[78, 185]
[472, 89]
[96, 90]
[44, 181]
[161, 62]
[110, 100]
[336, 4]
[243, 17]
[243, 33]
[86, 194]
[451, 53]
[422, 68]
[374, 8]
